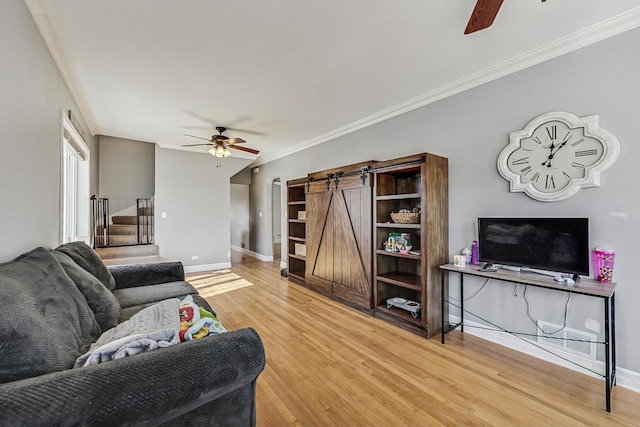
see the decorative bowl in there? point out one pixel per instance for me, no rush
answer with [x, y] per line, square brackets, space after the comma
[405, 216]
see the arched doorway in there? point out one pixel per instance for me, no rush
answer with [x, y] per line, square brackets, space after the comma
[276, 218]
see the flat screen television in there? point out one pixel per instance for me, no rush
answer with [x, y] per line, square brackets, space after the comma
[554, 244]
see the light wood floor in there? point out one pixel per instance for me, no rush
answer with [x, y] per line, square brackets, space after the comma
[328, 365]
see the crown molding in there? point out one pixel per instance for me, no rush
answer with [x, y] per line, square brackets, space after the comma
[611, 27]
[42, 13]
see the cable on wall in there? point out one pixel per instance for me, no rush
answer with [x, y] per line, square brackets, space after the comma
[566, 307]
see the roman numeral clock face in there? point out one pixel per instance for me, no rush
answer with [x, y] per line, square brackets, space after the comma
[554, 157]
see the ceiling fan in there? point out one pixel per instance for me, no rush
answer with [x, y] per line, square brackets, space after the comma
[483, 15]
[220, 144]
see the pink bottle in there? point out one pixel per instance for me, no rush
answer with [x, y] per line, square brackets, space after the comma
[603, 260]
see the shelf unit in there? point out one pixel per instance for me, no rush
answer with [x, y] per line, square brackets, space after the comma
[415, 182]
[296, 228]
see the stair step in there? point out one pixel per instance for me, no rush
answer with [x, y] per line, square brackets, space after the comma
[123, 229]
[133, 260]
[146, 210]
[128, 251]
[124, 219]
[123, 240]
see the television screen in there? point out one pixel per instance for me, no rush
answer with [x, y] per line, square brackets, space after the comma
[555, 244]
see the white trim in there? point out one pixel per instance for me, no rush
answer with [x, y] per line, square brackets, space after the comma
[42, 13]
[78, 140]
[266, 258]
[624, 378]
[628, 379]
[78, 144]
[601, 31]
[206, 267]
[283, 264]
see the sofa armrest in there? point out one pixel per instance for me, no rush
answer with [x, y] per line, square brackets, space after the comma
[149, 388]
[128, 276]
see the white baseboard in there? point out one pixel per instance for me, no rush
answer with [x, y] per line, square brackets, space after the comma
[206, 267]
[253, 254]
[628, 379]
[283, 264]
[624, 377]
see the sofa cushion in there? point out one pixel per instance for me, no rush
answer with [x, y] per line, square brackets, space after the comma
[89, 260]
[129, 297]
[45, 322]
[128, 312]
[103, 303]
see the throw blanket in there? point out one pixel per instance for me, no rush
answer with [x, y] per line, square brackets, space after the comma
[154, 327]
[196, 322]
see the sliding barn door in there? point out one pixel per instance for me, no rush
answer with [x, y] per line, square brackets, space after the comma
[339, 242]
[320, 236]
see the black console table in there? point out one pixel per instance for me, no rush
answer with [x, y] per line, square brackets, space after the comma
[587, 287]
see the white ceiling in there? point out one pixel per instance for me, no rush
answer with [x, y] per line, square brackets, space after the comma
[287, 74]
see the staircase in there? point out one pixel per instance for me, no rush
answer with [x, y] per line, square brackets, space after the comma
[129, 238]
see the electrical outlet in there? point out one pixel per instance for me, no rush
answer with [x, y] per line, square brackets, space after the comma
[194, 257]
[164, 215]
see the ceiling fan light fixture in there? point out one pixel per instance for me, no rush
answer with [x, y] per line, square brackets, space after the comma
[219, 151]
[220, 144]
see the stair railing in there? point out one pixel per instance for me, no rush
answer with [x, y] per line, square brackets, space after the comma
[100, 211]
[145, 221]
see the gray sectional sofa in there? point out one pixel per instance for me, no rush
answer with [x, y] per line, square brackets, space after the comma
[55, 303]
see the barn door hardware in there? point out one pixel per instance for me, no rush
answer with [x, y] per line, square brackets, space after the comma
[337, 180]
[363, 174]
[329, 178]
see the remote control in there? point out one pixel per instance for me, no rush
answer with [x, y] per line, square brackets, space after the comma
[488, 267]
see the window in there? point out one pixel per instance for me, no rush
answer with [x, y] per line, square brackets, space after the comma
[75, 203]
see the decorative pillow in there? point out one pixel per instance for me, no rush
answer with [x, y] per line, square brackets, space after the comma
[89, 260]
[102, 301]
[45, 322]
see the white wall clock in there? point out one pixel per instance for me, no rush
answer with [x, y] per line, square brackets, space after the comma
[556, 155]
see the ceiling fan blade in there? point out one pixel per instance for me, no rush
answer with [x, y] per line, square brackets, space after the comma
[195, 145]
[483, 15]
[232, 141]
[248, 150]
[199, 137]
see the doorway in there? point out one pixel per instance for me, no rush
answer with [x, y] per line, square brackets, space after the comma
[276, 218]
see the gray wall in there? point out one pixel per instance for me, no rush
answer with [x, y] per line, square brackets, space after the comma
[471, 129]
[242, 177]
[33, 95]
[127, 170]
[194, 191]
[240, 215]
